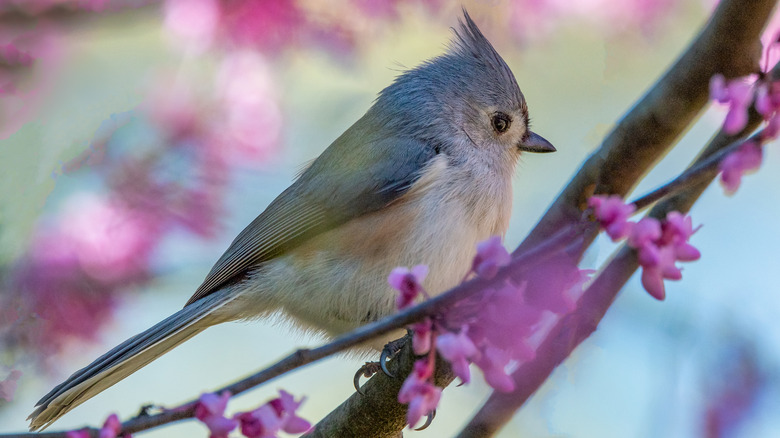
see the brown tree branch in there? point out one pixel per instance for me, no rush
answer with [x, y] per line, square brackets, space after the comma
[376, 412]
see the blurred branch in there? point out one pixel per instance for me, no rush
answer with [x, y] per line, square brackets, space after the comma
[729, 44]
[27, 10]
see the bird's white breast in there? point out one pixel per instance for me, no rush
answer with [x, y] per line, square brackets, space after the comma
[338, 280]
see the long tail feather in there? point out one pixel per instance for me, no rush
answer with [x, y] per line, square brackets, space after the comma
[127, 358]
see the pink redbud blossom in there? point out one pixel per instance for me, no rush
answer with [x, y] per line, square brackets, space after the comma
[260, 423]
[718, 90]
[250, 114]
[736, 119]
[81, 433]
[421, 336]
[644, 238]
[677, 230]
[8, 385]
[491, 255]
[286, 408]
[653, 283]
[772, 128]
[265, 25]
[768, 105]
[111, 427]
[645, 232]
[738, 94]
[458, 350]
[654, 273]
[194, 21]
[420, 394]
[408, 282]
[506, 319]
[549, 285]
[12, 56]
[493, 364]
[659, 246]
[613, 215]
[745, 159]
[210, 411]
[764, 101]
[273, 417]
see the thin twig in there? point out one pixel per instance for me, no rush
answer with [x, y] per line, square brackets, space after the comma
[703, 171]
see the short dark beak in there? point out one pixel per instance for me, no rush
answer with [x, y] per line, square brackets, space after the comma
[536, 143]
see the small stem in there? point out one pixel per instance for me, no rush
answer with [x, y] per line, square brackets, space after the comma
[696, 174]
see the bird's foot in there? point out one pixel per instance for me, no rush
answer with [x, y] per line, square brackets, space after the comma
[370, 368]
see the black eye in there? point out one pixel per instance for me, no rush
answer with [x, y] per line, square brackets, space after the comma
[501, 122]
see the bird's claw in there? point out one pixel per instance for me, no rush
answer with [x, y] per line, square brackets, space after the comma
[371, 368]
[383, 358]
[367, 370]
[428, 421]
[388, 352]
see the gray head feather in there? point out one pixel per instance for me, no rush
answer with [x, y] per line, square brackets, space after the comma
[428, 101]
[470, 42]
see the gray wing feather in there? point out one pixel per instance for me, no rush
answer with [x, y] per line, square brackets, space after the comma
[346, 181]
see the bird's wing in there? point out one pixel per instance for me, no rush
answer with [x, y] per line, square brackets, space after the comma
[346, 181]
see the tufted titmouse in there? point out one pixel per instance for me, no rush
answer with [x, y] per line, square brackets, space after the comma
[422, 177]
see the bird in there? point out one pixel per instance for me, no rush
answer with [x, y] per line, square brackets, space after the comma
[421, 178]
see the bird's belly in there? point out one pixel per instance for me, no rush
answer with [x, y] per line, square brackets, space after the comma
[337, 281]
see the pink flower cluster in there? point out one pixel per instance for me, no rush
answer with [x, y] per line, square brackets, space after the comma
[99, 246]
[265, 25]
[491, 330]
[539, 19]
[746, 158]
[659, 244]
[278, 415]
[110, 429]
[419, 392]
[408, 283]
[210, 410]
[740, 94]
